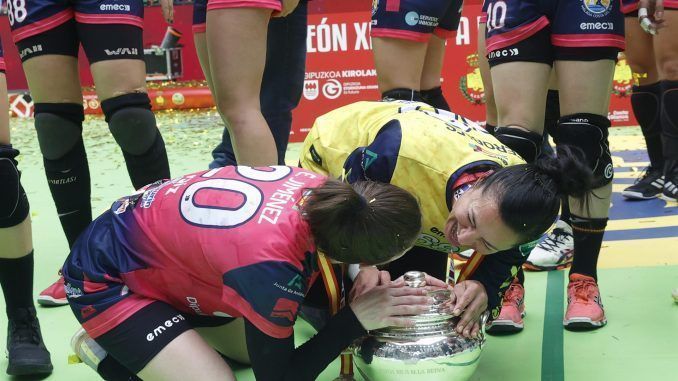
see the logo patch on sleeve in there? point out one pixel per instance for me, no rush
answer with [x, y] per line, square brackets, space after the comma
[286, 309]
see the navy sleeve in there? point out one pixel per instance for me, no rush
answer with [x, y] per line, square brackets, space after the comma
[377, 161]
[277, 360]
[495, 272]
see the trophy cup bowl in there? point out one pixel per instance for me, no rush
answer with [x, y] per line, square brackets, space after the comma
[430, 350]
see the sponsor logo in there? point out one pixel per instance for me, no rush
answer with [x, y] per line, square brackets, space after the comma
[67, 180]
[286, 309]
[149, 196]
[194, 305]
[332, 89]
[122, 51]
[295, 286]
[511, 52]
[596, 8]
[72, 291]
[433, 243]
[115, 7]
[437, 232]
[311, 91]
[30, 50]
[484, 149]
[87, 311]
[412, 18]
[609, 172]
[159, 330]
[596, 26]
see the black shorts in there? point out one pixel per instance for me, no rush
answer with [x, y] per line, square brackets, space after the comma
[101, 42]
[138, 339]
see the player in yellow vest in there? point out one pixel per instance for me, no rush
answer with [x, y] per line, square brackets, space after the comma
[474, 191]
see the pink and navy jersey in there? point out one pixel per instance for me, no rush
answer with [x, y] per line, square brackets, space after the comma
[573, 23]
[226, 242]
[31, 17]
[415, 20]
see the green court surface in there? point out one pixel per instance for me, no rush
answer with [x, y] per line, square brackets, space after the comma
[639, 267]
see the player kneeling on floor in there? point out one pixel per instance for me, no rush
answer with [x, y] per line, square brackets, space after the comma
[222, 260]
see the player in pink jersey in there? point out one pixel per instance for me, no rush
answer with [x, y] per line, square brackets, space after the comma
[233, 251]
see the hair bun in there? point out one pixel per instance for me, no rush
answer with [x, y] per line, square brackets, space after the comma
[568, 170]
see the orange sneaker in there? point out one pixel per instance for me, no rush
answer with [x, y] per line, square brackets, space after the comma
[54, 295]
[584, 306]
[510, 318]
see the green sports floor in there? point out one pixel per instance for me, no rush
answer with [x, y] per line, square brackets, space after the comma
[638, 269]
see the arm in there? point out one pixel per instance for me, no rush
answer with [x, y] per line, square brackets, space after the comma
[276, 359]
[495, 272]
[383, 306]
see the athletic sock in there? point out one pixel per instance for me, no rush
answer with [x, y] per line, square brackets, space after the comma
[520, 276]
[150, 166]
[435, 98]
[16, 279]
[403, 95]
[669, 122]
[645, 101]
[69, 182]
[565, 215]
[588, 238]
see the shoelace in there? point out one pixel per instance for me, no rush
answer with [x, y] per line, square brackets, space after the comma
[584, 290]
[512, 294]
[556, 237]
[26, 330]
[647, 172]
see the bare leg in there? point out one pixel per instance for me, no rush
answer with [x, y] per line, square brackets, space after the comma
[490, 105]
[184, 358]
[520, 92]
[399, 63]
[237, 69]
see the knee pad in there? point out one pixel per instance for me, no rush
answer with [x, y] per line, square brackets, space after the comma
[13, 201]
[59, 128]
[131, 122]
[527, 144]
[588, 132]
[403, 95]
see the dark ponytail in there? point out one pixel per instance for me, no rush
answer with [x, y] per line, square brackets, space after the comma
[367, 222]
[529, 195]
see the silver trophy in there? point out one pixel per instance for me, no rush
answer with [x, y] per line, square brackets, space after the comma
[431, 350]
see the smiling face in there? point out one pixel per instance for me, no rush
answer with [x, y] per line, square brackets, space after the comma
[475, 223]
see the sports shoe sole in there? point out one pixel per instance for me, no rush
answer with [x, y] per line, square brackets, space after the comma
[504, 326]
[638, 196]
[583, 323]
[532, 267]
[675, 295]
[667, 198]
[29, 368]
[48, 301]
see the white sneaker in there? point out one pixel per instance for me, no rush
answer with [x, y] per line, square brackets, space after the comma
[675, 295]
[554, 252]
[87, 350]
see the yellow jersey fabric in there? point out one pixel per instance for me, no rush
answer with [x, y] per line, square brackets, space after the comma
[409, 144]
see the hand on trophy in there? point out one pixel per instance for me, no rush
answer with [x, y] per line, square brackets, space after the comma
[468, 300]
[385, 305]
